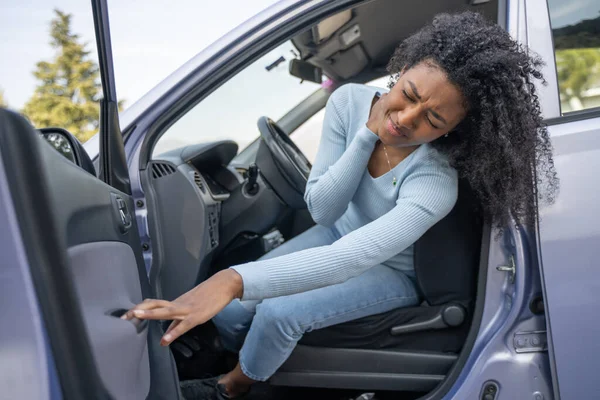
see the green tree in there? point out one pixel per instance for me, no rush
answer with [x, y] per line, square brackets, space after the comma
[578, 70]
[69, 89]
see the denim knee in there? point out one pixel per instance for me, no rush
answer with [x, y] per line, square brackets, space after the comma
[274, 313]
[233, 323]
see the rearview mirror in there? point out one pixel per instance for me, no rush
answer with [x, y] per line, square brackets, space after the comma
[305, 71]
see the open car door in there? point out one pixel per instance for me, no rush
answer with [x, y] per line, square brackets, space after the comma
[84, 254]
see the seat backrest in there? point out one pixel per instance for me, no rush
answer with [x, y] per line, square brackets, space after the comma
[447, 256]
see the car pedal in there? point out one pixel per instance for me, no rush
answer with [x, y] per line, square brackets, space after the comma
[366, 396]
[181, 349]
[190, 342]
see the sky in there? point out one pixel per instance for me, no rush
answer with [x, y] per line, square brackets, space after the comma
[151, 38]
[567, 12]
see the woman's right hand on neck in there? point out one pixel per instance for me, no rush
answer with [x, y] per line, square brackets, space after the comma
[377, 114]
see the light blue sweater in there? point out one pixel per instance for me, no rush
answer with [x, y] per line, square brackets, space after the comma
[379, 222]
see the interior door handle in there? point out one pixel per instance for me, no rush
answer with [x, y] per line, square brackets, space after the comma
[124, 217]
[140, 324]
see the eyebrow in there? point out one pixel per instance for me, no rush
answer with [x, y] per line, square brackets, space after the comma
[416, 92]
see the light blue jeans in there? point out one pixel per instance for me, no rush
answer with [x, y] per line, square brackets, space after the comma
[269, 329]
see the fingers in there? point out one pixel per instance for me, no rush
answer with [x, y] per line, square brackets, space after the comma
[176, 329]
[173, 325]
[147, 304]
[170, 312]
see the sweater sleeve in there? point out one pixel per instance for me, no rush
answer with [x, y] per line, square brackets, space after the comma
[336, 174]
[425, 197]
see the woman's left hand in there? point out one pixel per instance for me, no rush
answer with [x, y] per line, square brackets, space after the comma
[192, 308]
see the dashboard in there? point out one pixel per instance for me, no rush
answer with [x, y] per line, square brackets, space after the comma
[199, 212]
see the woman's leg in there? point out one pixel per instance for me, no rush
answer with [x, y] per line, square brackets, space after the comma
[280, 322]
[234, 320]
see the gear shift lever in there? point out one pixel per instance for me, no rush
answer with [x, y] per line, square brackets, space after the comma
[252, 176]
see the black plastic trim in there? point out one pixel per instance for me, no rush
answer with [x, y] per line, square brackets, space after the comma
[450, 316]
[47, 258]
[113, 164]
[574, 116]
[368, 361]
[364, 369]
[103, 42]
[360, 380]
[458, 366]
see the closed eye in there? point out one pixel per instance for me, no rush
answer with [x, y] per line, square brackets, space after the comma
[414, 101]
[408, 97]
[431, 123]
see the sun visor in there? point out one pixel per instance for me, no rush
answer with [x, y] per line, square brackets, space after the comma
[348, 63]
[329, 26]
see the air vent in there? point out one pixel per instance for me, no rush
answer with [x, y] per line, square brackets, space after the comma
[162, 169]
[199, 182]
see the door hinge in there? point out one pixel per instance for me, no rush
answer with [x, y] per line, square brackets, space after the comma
[510, 268]
[530, 342]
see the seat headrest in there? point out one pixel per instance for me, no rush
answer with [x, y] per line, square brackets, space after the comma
[446, 257]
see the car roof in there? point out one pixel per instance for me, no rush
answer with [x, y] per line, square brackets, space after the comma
[364, 38]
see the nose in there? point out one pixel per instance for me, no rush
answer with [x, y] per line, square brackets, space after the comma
[408, 116]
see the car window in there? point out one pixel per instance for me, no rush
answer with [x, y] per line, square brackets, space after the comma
[308, 135]
[265, 88]
[576, 35]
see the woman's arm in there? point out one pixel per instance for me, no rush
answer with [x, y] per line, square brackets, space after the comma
[337, 171]
[425, 197]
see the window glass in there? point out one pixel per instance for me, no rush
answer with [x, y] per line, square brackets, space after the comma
[150, 39]
[308, 135]
[576, 34]
[232, 110]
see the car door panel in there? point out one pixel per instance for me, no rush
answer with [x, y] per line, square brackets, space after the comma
[569, 237]
[105, 270]
[107, 284]
[102, 265]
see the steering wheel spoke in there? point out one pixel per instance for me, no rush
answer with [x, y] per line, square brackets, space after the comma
[284, 165]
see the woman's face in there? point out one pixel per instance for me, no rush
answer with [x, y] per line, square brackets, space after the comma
[422, 106]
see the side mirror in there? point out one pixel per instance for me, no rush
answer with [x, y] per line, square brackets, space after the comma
[60, 140]
[305, 71]
[68, 145]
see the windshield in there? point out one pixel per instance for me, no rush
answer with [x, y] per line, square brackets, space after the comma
[264, 88]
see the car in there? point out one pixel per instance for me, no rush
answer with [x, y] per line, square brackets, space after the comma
[162, 198]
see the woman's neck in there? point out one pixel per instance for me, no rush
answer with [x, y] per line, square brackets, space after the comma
[397, 154]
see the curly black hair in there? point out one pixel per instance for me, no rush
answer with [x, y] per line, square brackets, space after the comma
[501, 147]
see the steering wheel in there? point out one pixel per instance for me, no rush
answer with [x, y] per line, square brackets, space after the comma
[285, 167]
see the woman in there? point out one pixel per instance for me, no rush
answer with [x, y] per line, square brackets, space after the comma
[461, 104]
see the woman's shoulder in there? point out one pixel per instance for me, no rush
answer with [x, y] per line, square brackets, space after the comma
[351, 97]
[432, 179]
[427, 157]
[356, 91]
